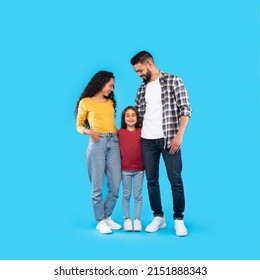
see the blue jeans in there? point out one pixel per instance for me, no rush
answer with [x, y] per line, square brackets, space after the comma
[152, 149]
[132, 179]
[103, 159]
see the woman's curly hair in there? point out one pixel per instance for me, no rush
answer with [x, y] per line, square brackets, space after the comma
[95, 85]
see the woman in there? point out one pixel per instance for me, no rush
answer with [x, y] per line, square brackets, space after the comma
[95, 112]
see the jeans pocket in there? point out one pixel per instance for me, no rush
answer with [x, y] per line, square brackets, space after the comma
[94, 142]
[115, 139]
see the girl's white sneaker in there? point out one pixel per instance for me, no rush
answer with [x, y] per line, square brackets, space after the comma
[137, 225]
[128, 226]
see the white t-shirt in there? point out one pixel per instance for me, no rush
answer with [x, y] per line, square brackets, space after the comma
[152, 123]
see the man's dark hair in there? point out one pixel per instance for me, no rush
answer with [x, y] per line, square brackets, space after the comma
[141, 57]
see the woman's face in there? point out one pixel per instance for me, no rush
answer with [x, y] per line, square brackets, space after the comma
[108, 87]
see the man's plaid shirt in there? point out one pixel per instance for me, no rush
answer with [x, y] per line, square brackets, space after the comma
[175, 103]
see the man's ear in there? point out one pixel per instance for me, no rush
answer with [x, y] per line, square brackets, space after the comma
[149, 62]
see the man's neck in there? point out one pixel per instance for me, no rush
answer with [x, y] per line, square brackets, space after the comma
[155, 75]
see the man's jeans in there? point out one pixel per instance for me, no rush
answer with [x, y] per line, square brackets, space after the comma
[152, 149]
[132, 179]
[103, 158]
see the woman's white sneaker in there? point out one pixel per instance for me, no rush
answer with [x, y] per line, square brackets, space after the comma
[112, 224]
[102, 227]
[180, 228]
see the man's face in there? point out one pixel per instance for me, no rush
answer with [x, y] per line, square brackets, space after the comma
[143, 71]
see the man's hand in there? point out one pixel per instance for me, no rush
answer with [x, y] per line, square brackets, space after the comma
[176, 144]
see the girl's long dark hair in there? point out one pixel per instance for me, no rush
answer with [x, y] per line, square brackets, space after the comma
[123, 124]
[95, 85]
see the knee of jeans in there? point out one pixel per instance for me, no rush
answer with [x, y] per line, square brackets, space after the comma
[96, 196]
[113, 190]
[177, 187]
[126, 196]
[153, 185]
[138, 197]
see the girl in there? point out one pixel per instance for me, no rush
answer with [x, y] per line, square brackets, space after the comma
[132, 166]
[95, 112]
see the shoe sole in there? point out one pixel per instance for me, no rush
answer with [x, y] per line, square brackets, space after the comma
[159, 227]
[104, 232]
[182, 234]
[128, 229]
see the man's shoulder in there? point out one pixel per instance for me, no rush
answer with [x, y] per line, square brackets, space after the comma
[169, 76]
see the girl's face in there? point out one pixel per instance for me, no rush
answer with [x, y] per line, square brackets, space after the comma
[108, 87]
[130, 118]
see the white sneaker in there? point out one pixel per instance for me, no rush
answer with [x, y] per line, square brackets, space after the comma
[128, 226]
[157, 223]
[137, 225]
[102, 227]
[112, 224]
[180, 228]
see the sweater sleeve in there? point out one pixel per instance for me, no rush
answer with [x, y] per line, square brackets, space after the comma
[81, 117]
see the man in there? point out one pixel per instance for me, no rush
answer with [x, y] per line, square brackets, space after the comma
[163, 105]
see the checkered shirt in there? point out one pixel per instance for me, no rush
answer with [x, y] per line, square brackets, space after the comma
[175, 103]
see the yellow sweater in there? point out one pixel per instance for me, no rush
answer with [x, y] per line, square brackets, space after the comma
[100, 116]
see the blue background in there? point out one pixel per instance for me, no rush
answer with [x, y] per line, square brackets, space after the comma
[50, 50]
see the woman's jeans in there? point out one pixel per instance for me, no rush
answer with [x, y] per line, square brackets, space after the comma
[152, 149]
[103, 159]
[132, 180]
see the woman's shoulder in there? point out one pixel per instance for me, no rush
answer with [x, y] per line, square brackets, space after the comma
[85, 100]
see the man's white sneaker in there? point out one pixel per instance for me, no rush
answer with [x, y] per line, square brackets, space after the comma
[137, 225]
[180, 228]
[102, 227]
[128, 226]
[156, 224]
[112, 224]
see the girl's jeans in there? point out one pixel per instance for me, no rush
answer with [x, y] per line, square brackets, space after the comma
[132, 180]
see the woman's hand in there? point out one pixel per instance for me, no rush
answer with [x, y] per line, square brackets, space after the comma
[95, 136]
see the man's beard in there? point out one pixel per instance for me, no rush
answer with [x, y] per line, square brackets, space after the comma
[147, 77]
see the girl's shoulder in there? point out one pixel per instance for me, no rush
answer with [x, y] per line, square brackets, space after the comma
[121, 130]
[126, 131]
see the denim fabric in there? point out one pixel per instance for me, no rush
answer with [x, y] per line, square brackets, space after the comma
[152, 150]
[103, 159]
[132, 179]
